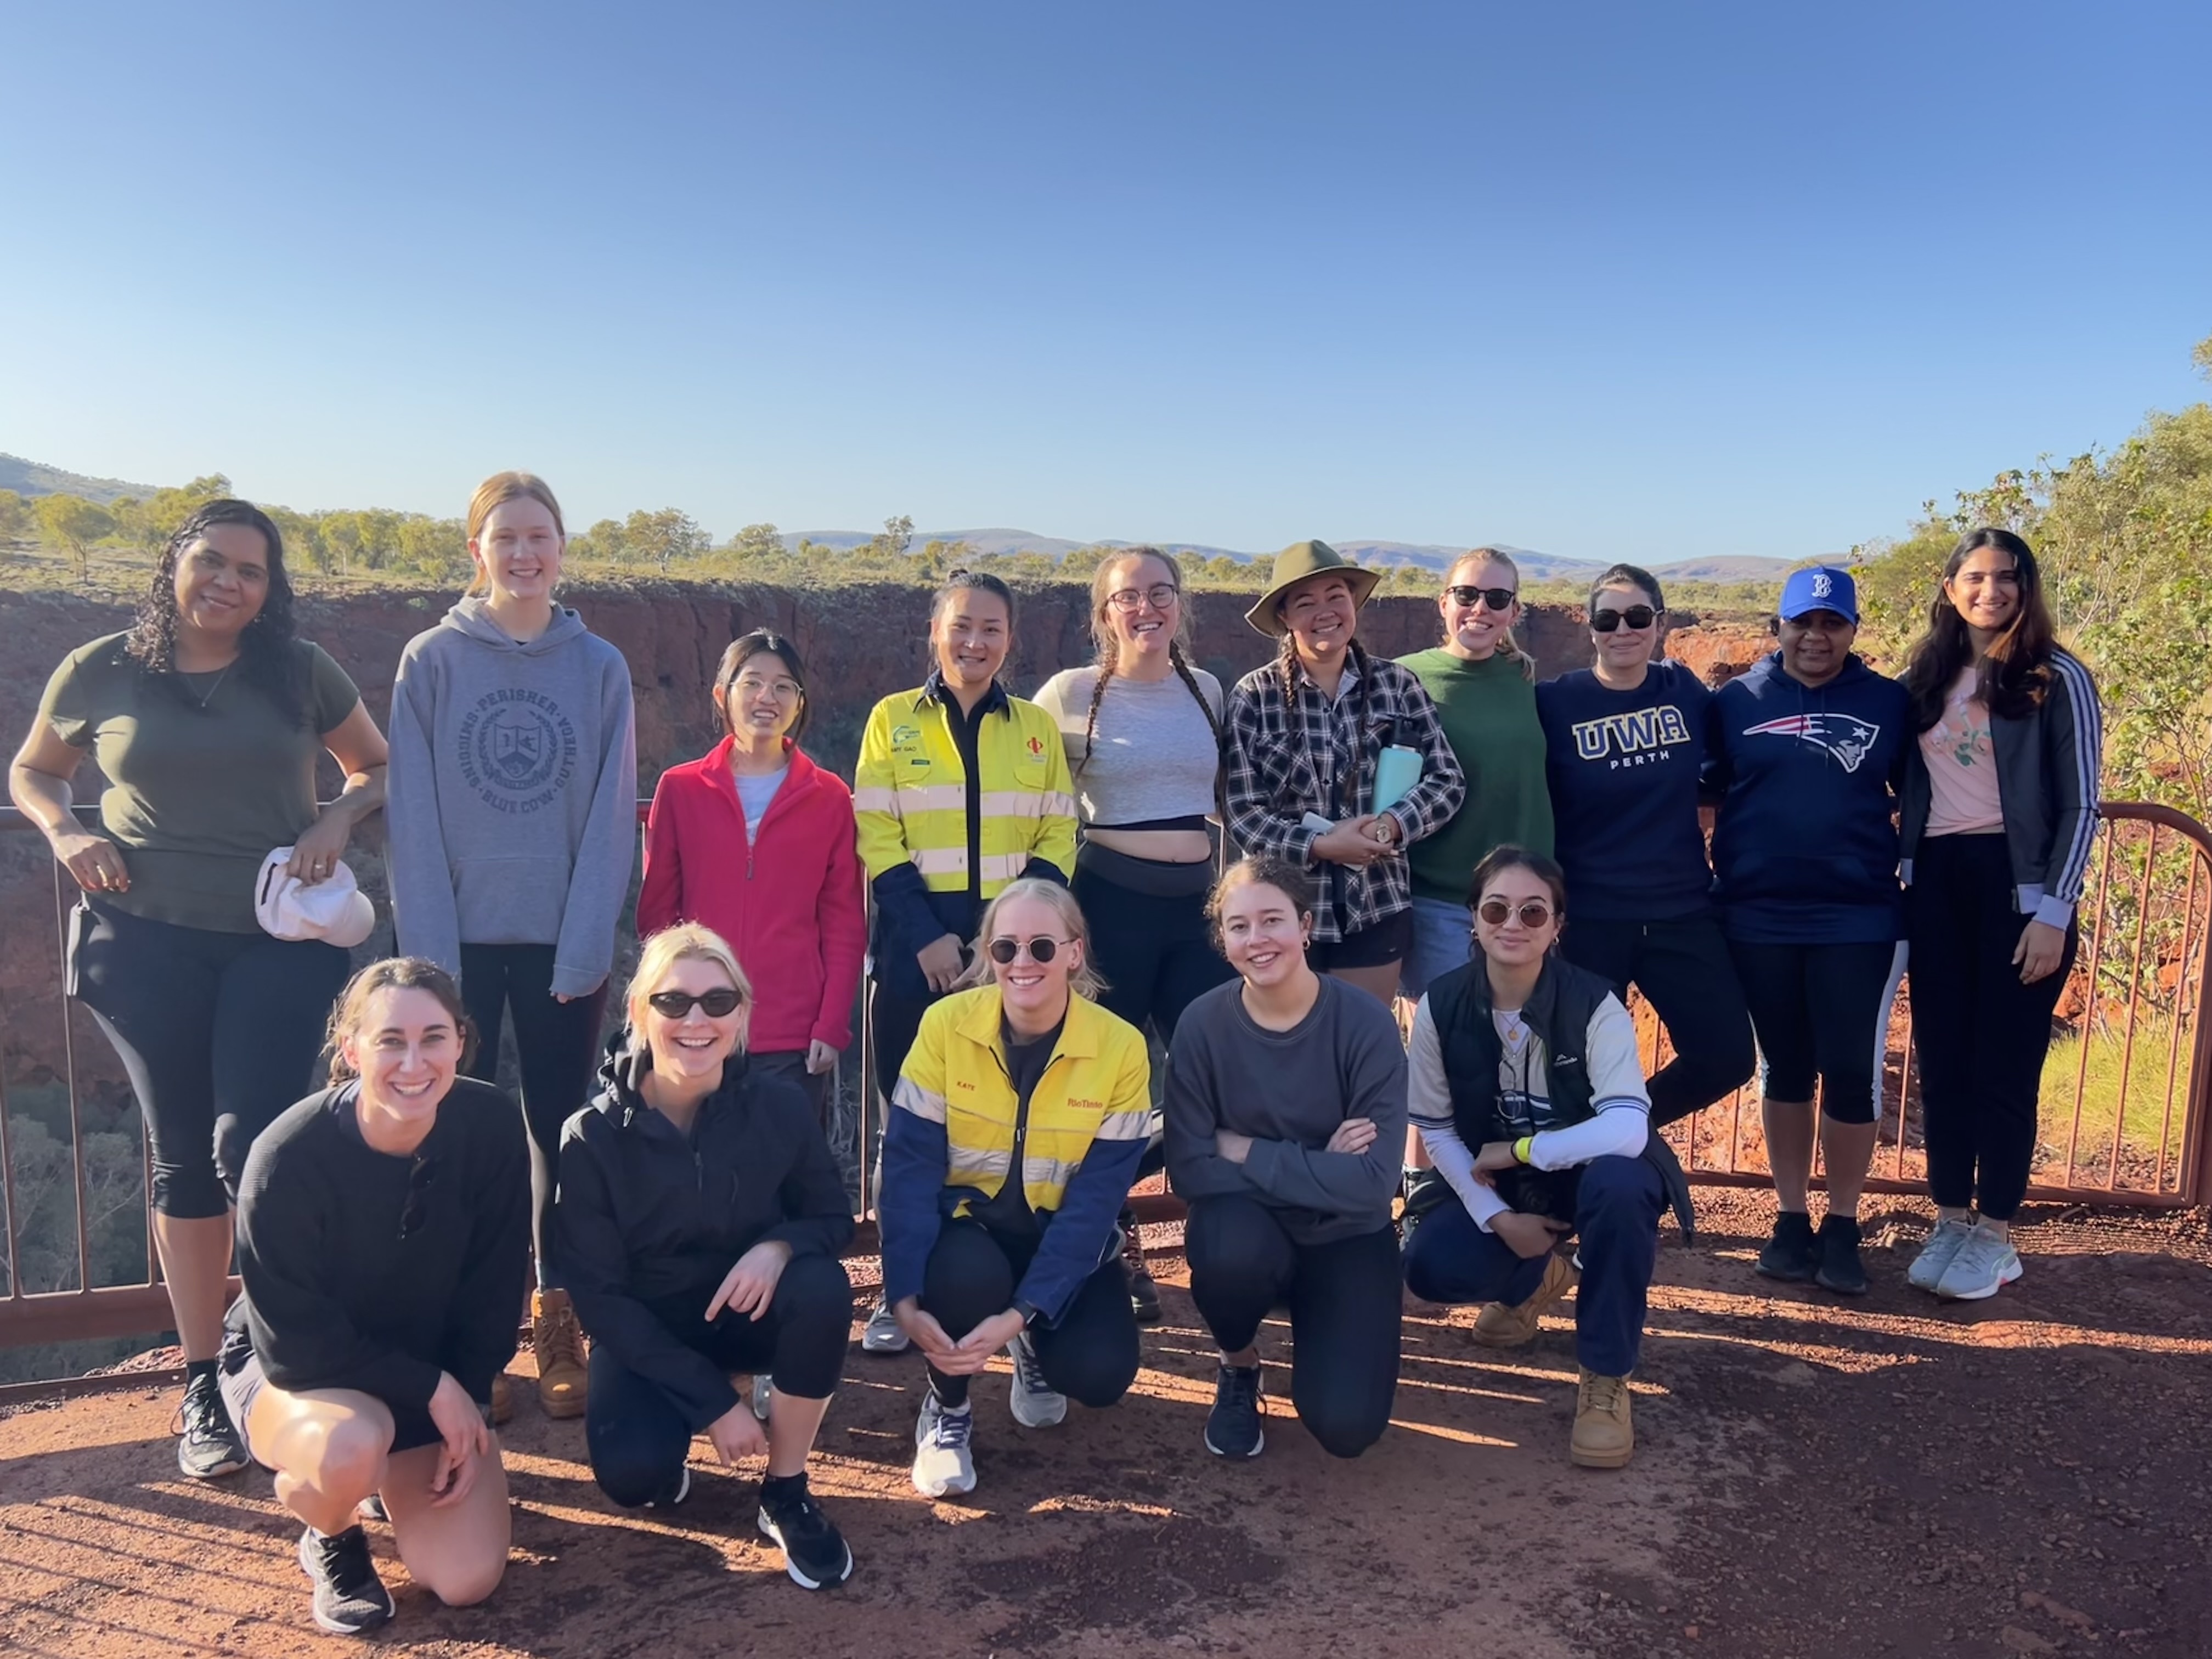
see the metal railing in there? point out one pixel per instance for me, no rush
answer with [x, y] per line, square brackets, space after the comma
[2135, 1047]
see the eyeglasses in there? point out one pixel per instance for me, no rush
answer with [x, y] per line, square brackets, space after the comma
[1533, 913]
[1498, 599]
[1042, 949]
[422, 1176]
[718, 1004]
[1162, 594]
[781, 690]
[1637, 617]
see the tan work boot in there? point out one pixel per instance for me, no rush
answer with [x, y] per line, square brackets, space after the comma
[502, 1399]
[1498, 1326]
[1605, 1432]
[558, 1342]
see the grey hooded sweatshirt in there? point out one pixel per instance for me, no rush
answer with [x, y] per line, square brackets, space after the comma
[512, 798]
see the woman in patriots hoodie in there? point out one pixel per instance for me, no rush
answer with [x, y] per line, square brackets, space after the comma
[513, 822]
[1808, 755]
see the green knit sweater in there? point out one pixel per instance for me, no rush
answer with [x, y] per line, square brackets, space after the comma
[1489, 716]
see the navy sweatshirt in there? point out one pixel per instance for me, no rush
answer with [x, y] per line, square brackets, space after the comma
[1624, 768]
[1805, 848]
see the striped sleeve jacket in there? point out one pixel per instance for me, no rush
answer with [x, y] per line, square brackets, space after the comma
[1286, 758]
[2049, 764]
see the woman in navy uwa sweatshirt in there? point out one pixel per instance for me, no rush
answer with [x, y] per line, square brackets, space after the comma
[1807, 753]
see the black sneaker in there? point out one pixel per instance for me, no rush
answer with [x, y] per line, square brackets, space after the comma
[1840, 1270]
[1143, 1295]
[210, 1446]
[350, 1598]
[1232, 1427]
[1791, 1253]
[1425, 1190]
[815, 1552]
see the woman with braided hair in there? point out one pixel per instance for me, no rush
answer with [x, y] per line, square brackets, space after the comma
[207, 719]
[1143, 730]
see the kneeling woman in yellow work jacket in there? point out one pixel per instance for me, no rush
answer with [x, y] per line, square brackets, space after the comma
[1014, 1133]
[961, 789]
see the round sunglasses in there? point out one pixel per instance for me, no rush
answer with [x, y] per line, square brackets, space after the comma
[1533, 913]
[1042, 949]
[1498, 599]
[1637, 616]
[718, 1004]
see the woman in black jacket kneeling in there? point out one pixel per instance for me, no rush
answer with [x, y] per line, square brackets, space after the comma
[696, 1228]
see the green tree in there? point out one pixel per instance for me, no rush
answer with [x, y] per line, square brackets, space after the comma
[758, 541]
[75, 523]
[604, 541]
[665, 537]
[16, 517]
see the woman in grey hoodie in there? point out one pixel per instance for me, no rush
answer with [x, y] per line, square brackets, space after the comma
[512, 818]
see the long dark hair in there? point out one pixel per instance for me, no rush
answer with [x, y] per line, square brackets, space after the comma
[2013, 675]
[760, 642]
[265, 652]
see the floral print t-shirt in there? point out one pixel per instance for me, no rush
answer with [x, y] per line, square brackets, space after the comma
[1962, 767]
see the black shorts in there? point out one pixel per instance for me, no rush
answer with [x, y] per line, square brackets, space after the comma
[240, 1379]
[1376, 945]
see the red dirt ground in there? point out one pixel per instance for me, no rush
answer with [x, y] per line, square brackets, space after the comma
[1890, 1476]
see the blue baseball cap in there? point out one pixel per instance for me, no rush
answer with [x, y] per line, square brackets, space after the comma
[1823, 587]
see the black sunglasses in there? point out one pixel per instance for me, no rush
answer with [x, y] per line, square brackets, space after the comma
[1533, 913]
[1042, 949]
[422, 1176]
[1498, 599]
[1637, 616]
[718, 1004]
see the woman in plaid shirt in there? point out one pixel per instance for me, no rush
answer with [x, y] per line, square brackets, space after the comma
[1304, 736]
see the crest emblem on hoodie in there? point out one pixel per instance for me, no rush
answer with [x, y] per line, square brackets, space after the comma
[1846, 736]
[518, 750]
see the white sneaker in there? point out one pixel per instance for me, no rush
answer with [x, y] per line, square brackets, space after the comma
[1942, 1248]
[1985, 1263]
[1036, 1404]
[762, 1384]
[942, 1461]
[883, 1334]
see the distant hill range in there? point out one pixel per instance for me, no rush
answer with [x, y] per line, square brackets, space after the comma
[1535, 566]
[31, 478]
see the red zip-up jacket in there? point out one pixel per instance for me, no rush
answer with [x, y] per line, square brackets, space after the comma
[789, 900]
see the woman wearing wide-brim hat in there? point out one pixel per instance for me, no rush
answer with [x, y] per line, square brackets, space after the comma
[1306, 734]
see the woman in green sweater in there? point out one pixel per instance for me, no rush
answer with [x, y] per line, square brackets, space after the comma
[1482, 685]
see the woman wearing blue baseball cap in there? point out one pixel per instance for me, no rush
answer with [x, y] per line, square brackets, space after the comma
[2000, 814]
[1808, 758]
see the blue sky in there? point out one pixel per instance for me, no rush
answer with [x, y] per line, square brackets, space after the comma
[1605, 280]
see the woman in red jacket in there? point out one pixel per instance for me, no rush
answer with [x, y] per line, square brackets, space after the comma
[756, 841]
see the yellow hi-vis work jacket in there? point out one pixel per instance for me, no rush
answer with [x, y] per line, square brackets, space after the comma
[910, 800]
[957, 1129]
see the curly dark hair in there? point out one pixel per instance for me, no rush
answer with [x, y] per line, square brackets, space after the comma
[265, 646]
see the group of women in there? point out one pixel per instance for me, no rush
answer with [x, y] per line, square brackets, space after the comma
[1047, 885]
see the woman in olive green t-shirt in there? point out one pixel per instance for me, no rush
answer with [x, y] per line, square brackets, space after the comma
[206, 720]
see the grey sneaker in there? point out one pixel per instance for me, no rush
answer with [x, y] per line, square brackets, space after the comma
[210, 1445]
[1985, 1263]
[1036, 1406]
[883, 1334]
[1936, 1254]
[942, 1461]
[350, 1598]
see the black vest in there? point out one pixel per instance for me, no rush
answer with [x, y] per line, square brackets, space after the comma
[1557, 1015]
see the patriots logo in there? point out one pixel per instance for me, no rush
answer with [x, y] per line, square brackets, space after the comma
[1846, 736]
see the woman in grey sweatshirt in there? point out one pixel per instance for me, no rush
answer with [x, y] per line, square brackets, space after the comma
[513, 823]
[1285, 1117]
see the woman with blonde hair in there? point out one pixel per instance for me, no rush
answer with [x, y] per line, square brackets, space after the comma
[513, 825]
[1143, 730]
[383, 1239]
[697, 1228]
[1020, 1117]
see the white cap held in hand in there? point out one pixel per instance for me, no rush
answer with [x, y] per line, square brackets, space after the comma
[334, 909]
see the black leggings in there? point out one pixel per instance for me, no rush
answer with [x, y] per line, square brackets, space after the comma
[636, 1433]
[556, 1045]
[1981, 1034]
[1682, 967]
[1822, 1010]
[1156, 954]
[218, 1032]
[1090, 1356]
[1344, 1303]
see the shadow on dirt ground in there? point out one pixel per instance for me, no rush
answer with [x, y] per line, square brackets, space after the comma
[1813, 1477]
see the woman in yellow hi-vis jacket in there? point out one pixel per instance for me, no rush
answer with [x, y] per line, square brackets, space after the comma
[961, 789]
[1019, 1118]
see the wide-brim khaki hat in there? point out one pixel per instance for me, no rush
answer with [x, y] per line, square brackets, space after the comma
[1292, 565]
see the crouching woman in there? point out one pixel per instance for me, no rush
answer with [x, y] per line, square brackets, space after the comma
[384, 1241]
[696, 1227]
[1526, 1086]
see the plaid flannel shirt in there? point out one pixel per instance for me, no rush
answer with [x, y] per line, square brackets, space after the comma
[1286, 760]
